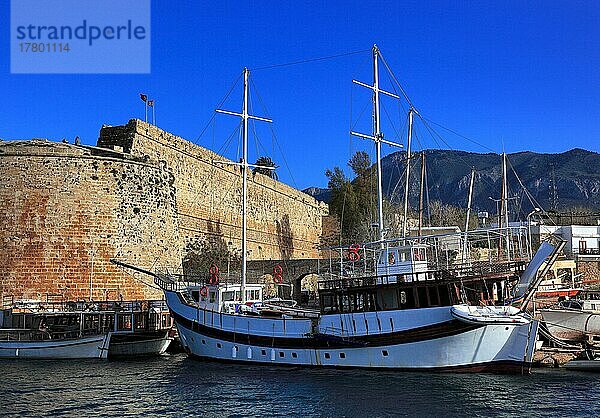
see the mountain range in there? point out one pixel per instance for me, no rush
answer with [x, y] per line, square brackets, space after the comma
[551, 181]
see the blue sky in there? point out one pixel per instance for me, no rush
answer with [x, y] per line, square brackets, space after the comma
[513, 74]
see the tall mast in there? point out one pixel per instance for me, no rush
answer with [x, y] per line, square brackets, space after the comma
[470, 200]
[377, 136]
[407, 185]
[244, 183]
[505, 204]
[244, 169]
[421, 192]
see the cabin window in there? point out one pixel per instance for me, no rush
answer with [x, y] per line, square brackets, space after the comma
[263, 352]
[212, 296]
[327, 356]
[228, 296]
[342, 355]
[196, 295]
[444, 296]
[252, 294]
[389, 299]
[404, 255]
[582, 246]
[418, 254]
[392, 257]
[422, 295]
[328, 304]
[434, 297]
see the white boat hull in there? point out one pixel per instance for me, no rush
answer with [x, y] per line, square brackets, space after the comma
[571, 325]
[435, 340]
[87, 347]
[134, 345]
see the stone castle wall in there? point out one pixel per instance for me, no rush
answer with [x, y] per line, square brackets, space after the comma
[64, 212]
[283, 223]
[142, 195]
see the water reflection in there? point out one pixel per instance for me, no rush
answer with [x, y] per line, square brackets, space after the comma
[178, 386]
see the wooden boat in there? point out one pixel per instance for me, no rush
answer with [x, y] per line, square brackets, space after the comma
[60, 335]
[85, 330]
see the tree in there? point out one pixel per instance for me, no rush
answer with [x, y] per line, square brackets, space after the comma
[353, 201]
[265, 162]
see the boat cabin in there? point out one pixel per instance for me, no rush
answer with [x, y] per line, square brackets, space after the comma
[226, 297]
[402, 264]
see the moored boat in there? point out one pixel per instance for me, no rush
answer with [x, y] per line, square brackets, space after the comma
[394, 304]
[577, 319]
[85, 330]
[56, 335]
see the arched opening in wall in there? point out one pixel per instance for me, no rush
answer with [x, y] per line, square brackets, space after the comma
[305, 290]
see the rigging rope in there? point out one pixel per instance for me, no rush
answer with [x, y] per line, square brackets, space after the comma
[329, 57]
[218, 106]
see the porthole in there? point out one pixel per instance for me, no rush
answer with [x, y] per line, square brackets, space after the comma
[263, 352]
[281, 354]
[327, 356]
[384, 353]
[219, 345]
[294, 355]
[203, 341]
[342, 355]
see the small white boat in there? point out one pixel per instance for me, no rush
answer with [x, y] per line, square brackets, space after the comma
[84, 330]
[135, 345]
[95, 346]
[498, 315]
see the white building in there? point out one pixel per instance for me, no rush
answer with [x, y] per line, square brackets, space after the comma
[581, 239]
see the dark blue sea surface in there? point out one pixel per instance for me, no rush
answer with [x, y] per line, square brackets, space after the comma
[180, 386]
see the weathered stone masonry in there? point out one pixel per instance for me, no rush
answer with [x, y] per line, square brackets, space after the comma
[282, 222]
[65, 210]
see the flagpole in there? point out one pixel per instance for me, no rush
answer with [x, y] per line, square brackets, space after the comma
[145, 111]
[153, 113]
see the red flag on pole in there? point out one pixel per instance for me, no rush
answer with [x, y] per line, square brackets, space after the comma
[143, 97]
[151, 103]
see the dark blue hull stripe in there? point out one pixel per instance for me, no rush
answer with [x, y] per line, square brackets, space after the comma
[321, 341]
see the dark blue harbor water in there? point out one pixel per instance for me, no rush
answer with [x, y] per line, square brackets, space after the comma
[178, 386]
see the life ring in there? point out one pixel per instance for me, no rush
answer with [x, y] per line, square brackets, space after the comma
[214, 274]
[352, 256]
[204, 292]
[278, 278]
[354, 248]
[278, 270]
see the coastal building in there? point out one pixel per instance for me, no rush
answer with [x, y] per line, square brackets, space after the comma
[582, 245]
